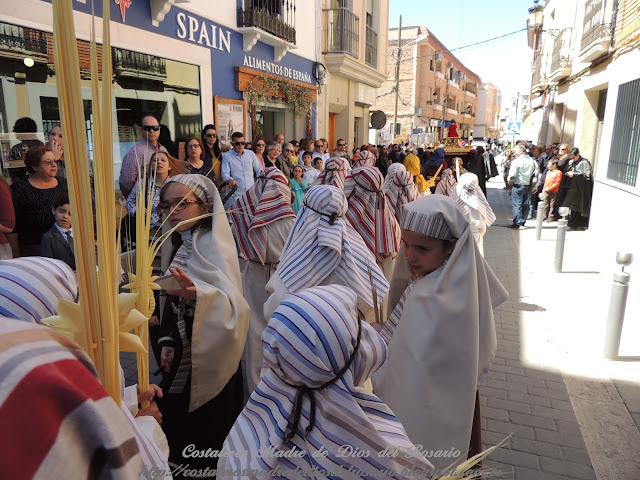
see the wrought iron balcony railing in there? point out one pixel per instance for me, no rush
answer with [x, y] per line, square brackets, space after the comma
[540, 79]
[371, 48]
[20, 39]
[561, 58]
[139, 65]
[276, 17]
[343, 31]
[596, 26]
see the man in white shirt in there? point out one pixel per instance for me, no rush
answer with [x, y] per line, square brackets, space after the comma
[318, 151]
[238, 167]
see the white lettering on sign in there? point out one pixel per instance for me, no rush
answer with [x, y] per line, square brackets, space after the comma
[275, 69]
[203, 33]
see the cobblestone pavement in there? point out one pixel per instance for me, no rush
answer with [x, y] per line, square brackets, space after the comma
[532, 391]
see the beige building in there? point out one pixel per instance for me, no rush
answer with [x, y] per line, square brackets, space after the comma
[586, 92]
[354, 45]
[434, 86]
[488, 111]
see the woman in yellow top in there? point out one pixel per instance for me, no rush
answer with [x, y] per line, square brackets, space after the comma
[412, 164]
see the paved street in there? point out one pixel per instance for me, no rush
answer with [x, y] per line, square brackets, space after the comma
[548, 386]
[570, 414]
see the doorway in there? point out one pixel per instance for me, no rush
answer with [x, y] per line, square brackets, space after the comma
[270, 122]
[332, 132]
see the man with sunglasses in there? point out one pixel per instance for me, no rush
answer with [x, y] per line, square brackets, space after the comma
[318, 151]
[141, 153]
[239, 166]
[341, 150]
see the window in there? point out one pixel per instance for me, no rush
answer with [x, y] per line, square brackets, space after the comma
[625, 142]
[431, 64]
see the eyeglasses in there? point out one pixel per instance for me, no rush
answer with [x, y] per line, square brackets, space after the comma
[51, 163]
[260, 144]
[194, 145]
[148, 128]
[165, 207]
[211, 135]
[237, 144]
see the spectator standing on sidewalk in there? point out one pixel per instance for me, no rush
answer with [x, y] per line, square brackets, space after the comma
[550, 189]
[521, 172]
[341, 149]
[578, 181]
[140, 154]
[239, 166]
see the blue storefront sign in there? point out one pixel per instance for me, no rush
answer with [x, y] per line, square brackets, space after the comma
[226, 45]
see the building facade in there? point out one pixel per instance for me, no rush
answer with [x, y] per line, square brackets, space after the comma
[488, 112]
[190, 63]
[354, 44]
[586, 92]
[434, 87]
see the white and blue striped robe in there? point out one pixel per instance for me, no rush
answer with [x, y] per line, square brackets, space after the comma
[309, 339]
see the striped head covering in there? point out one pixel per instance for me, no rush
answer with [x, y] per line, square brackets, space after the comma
[369, 213]
[469, 197]
[268, 200]
[30, 287]
[399, 190]
[447, 184]
[315, 344]
[431, 225]
[389, 177]
[331, 246]
[334, 173]
[196, 184]
[365, 159]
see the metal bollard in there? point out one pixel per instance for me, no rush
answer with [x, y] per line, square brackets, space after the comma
[539, 220]
[617, 306]
[562, 232]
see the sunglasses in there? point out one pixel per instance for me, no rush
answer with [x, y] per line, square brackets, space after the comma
[342, 144]
[318, 146]
[148, 128]
[289, 150]
[165, 207]
[211, 135]
[237, 144]
[260, 144]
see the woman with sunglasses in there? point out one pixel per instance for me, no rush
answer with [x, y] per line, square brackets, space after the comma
[259, 146]
[212, 152]
[197, 161]
[33, 199]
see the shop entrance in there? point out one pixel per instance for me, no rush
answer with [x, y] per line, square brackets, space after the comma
[271, 121]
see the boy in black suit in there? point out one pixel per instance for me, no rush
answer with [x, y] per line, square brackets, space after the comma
[58, 241]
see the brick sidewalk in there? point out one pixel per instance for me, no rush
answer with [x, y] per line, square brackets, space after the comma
[530, 403]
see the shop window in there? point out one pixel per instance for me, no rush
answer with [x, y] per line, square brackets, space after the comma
[625, 142]
[142, 83]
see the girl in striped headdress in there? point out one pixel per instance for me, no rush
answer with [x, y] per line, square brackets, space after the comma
[262, 219]
[205, 322]
[441, 334]
[310, 416]
[371, 216]
[322, 249]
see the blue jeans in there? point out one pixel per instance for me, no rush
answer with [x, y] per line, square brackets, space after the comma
[520, 198]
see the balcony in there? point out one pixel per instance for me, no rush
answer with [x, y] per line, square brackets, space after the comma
[469, 93]
[343, 31]
[139, 65]
[453, 84]
[597, 30]
[437, 107]
[16, 43]
[371, 48]
[540, 80]
[561, 57]
[269, 21]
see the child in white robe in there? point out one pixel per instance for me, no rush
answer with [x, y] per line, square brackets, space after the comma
[441, 334]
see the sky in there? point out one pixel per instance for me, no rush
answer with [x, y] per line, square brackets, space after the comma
[505, 62]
